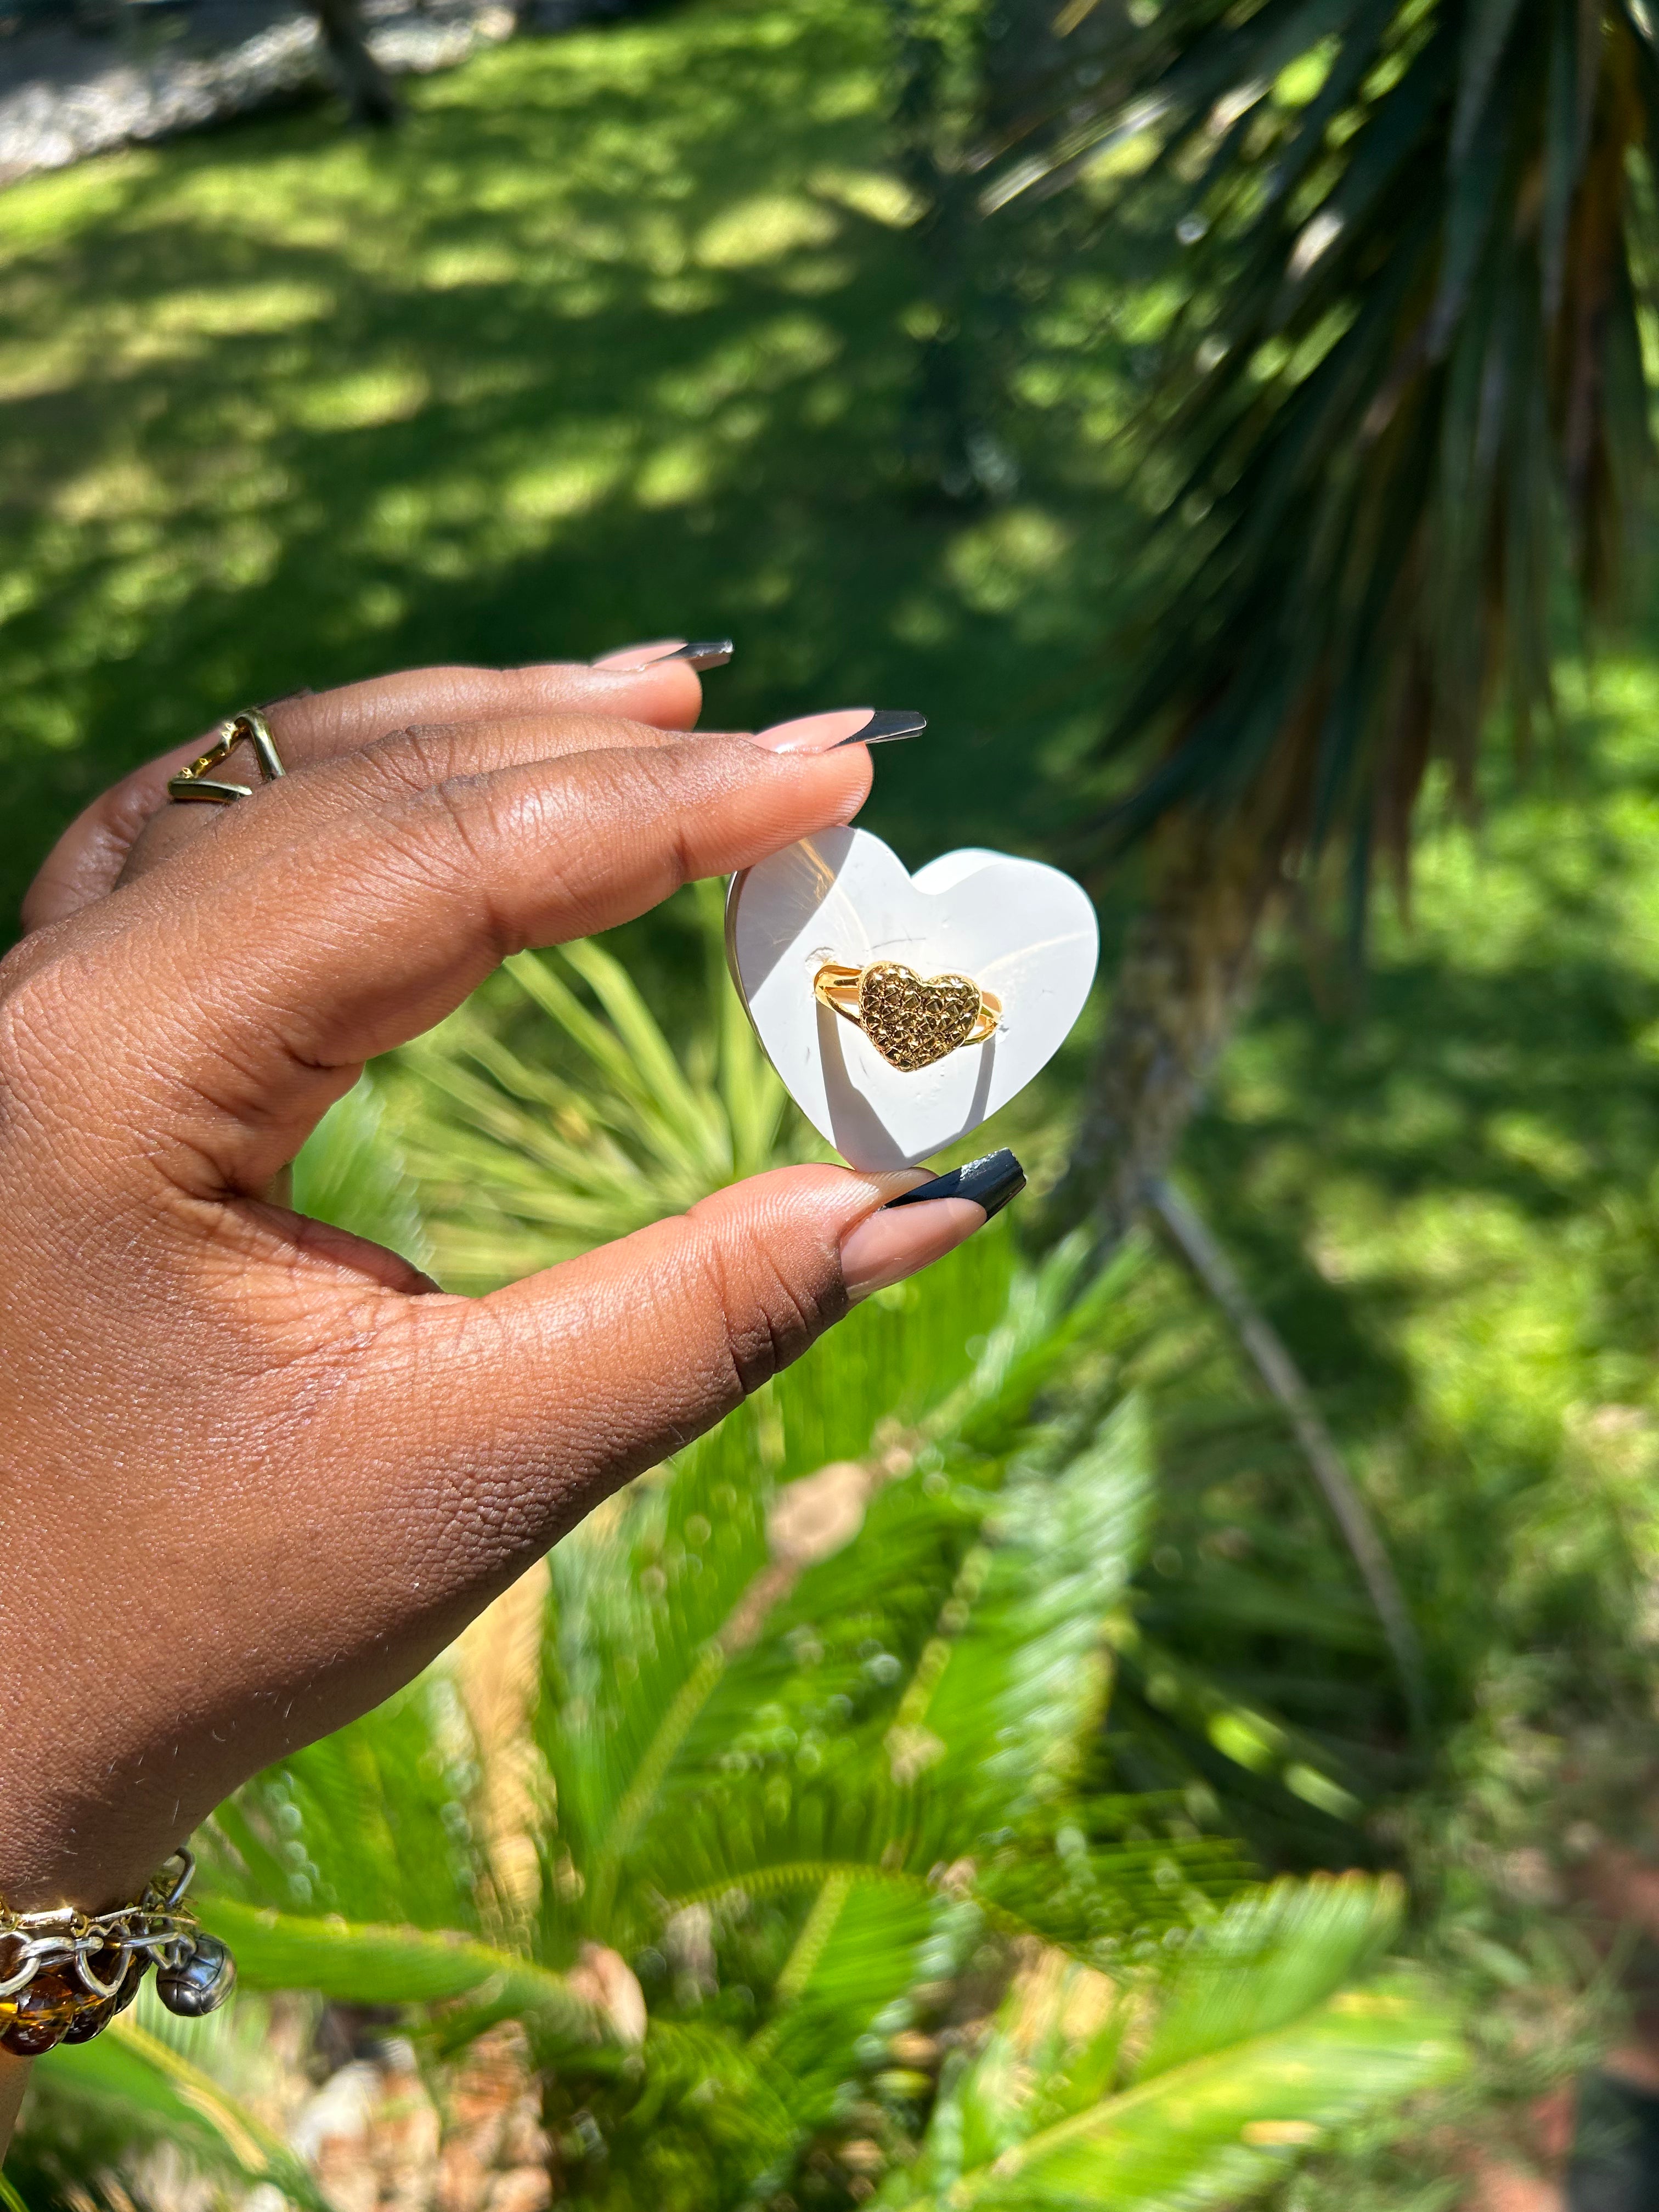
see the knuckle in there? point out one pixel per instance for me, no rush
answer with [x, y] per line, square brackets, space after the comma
[769, 1315]
[618, 733]
[412, 759]
[463, 817]
[448, 837]
[434, 832]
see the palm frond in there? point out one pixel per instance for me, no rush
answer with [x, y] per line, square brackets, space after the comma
[1012, 1695]
[1256, 2052]
[845, 1987]
[129, 2085]
[1269, 1959]
[553, 1112]
[360, 1963]
[351, 1172]
[373, 1818]
[1401, 400]
[639, 1596]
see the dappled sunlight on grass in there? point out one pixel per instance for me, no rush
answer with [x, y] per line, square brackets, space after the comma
[1443, 1184]
[610, 340]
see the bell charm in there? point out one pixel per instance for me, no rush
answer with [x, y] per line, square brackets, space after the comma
[200, 1980]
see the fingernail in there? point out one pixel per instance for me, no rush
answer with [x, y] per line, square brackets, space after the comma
[699, 653]
[990, 1183]
[843, 725]
[886, 1246]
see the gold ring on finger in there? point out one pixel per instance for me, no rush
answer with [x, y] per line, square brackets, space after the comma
[194, 783]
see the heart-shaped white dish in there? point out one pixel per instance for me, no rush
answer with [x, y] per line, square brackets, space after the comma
[1019, 929]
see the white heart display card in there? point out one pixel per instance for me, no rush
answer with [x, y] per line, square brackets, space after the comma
[1024, 931]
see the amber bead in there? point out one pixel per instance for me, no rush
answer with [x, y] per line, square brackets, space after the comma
[95, 2014]
[92, 2018]
[36, 2018]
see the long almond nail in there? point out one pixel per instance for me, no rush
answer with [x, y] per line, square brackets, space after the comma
[841, 726]
[697, 652]
[888, 1246]
[990, 1183]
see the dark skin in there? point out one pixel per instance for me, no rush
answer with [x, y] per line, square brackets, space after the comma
[261, 1471]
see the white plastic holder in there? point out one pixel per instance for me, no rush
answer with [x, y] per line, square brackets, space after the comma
[1020, 929]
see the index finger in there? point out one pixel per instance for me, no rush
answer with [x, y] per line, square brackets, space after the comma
[250, 990]
[316, 725]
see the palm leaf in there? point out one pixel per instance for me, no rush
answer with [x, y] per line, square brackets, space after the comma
[1216, 2131]
[1270, 1958]
[634, 1654]
[132, 2083]
[1256, 2050]
[1012, 1698]
[970, 1721]
[1386, 384]
[845, 1989]
[373, 1818]
[351, 1172]
[370, 1964]
[652, 1603]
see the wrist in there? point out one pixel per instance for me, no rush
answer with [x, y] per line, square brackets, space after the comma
[64, 1974]
[14, 2079]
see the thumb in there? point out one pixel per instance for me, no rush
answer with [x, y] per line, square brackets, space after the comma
[536, 1402]
[444, 1443]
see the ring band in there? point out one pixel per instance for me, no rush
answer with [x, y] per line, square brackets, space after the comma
[194, 783]
[912, 1020]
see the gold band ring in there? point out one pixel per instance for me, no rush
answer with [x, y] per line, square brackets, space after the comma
[912, 1020]
[194, 783]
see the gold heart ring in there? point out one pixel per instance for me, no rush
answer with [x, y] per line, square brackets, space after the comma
[912, 1020]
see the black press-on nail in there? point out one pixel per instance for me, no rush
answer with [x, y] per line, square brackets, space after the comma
[990, 1183]
[887, 723]
[704, 653]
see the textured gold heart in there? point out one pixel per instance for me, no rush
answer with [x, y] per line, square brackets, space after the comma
[913, 1020]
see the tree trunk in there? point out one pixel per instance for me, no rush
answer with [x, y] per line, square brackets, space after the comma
[1184, 979]
[950, 441]
[368, 89]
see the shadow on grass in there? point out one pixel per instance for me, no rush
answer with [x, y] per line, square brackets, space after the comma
[1446, 1201]
[609, 340]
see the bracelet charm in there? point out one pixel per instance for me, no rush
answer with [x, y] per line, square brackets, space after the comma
[64, 1974]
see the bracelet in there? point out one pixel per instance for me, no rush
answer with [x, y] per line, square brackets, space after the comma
[64, 1974]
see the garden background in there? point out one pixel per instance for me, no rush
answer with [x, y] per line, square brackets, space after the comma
[616, 334]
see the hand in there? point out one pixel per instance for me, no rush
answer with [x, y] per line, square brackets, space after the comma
[260, 1471]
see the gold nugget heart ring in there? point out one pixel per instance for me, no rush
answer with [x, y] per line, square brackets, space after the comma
[912, 1020]
[194, 782]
